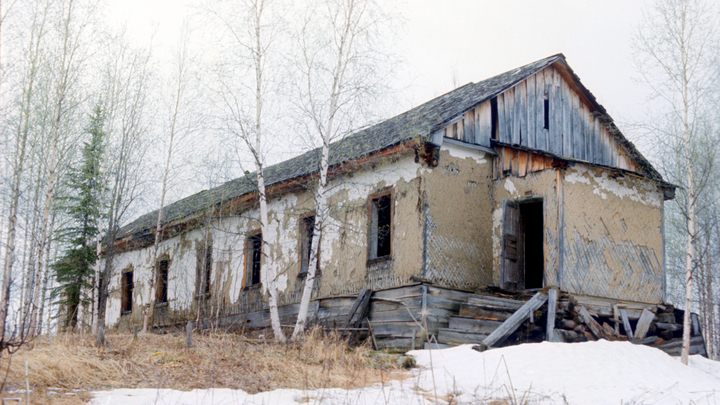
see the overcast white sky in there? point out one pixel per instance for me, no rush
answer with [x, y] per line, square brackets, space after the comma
[475, 39]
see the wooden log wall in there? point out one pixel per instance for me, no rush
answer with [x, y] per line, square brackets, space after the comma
[574, 129]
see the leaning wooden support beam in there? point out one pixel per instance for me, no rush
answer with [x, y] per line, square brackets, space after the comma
[626, 323]
[643, 324]
[552, 306]
[591, 323]
[515, 320]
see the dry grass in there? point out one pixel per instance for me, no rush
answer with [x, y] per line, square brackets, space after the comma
[215, 361]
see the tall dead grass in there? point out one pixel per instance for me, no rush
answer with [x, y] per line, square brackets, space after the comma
[216, 361]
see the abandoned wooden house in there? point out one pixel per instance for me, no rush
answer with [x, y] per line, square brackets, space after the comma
[520, 181]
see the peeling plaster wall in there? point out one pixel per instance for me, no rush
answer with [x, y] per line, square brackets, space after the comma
[447, 227]
[534, 185]
[612, 239]
[613, 235]
[344, 249]
[457, 204]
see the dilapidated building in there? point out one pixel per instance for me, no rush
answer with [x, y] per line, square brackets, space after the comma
[520, 181]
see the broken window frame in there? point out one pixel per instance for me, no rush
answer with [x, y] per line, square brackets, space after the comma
[127, 289]
[253, 260]
[305, 244]
[162, 281]
[203, 263]
[376, 252]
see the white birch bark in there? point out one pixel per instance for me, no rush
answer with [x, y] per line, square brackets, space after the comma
[677, 47]
[176, 131]
[251, 128]
[347, 26]
[37, 32]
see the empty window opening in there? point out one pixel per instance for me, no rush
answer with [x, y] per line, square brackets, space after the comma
[254, 259]
[307, 231]
[203, 270]
[546, 109]
[127, 292]
[161, 296]
[494, 118]
[531, 225]
[381, 226]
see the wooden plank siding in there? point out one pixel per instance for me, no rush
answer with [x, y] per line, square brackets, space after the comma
[575, 129]
[483, 124]
[530, 108]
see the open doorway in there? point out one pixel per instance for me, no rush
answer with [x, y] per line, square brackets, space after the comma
[523, 244]
[531, 225]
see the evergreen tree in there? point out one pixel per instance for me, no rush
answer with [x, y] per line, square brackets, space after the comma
[74, 270]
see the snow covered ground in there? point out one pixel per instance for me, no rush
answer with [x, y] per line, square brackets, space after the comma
[599, 372]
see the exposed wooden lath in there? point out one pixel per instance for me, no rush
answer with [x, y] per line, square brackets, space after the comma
[516, 162]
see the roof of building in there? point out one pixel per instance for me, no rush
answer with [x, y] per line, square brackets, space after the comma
[421, 121]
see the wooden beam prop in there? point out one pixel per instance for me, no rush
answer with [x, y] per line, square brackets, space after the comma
[515, 320]
[591, 323]
[360, 307]
[695, 322]
[626, 324]
[552, 306]
[643, 324]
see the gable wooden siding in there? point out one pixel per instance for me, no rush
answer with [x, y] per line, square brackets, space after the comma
[576, 130]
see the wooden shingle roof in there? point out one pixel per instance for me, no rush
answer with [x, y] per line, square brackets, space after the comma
[419, 122]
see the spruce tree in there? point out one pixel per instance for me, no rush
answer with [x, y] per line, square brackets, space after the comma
[74, 270]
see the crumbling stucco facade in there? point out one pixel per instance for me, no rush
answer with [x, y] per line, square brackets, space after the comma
[500, 192]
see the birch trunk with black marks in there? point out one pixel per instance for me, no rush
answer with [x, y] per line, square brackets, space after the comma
[257, 17]
[37, 32]
[347, 26]
[677, 58]
[180, 84]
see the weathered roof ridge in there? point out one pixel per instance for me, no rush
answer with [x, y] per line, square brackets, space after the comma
[420, 121]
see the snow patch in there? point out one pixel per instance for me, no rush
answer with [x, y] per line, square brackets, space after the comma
[589, 373]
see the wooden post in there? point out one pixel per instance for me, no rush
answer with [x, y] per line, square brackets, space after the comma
[372, 335]
[616, 318]
[188, 335]
[695, 324]
[643, 324]
[552, 307]
[626, 324]
[101, 336]
[27, 385]
[135, 331]
[145, 323]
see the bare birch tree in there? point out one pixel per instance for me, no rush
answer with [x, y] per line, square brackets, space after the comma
[341, 56]
[179, 126]
[33, 53]
[126, 76]
[252, 28]
[677, 56]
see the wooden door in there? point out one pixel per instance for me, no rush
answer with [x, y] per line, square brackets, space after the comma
[512, 278]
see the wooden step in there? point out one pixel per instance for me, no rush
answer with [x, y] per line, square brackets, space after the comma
[473, 325]
[459, 337]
